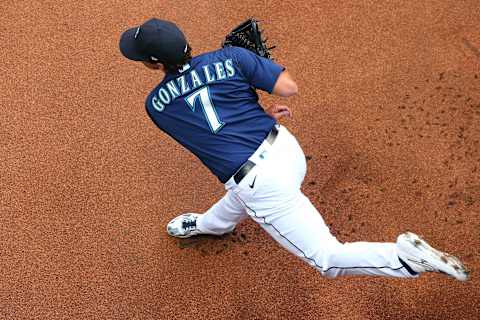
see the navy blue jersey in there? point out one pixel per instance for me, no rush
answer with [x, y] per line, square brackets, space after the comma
[211, 107]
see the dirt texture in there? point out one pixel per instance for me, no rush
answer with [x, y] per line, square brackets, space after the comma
[388, 115]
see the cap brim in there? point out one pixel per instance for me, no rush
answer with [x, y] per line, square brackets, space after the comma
[128, 46]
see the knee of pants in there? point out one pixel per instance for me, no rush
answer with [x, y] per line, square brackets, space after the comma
[336, 260]
[326, 257]
[332, 265]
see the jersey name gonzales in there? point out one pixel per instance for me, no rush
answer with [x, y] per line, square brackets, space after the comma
[190, 81]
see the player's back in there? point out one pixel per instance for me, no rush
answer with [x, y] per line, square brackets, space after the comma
[211, 107]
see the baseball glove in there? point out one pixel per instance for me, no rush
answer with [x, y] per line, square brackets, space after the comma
[248, 35]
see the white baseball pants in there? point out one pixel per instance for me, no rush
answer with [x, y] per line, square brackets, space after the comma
[270, 194]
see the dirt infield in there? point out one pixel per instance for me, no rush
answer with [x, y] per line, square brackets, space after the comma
[388, 114]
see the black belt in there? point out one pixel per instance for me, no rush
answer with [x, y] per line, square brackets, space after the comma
[248, 165]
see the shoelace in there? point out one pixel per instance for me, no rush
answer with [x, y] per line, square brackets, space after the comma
[189, 224]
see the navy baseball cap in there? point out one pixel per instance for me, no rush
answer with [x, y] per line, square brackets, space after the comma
[155, 40]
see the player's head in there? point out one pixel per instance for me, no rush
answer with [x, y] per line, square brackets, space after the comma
[156, 42]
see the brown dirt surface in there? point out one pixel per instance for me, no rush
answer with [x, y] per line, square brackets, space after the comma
[388, 114]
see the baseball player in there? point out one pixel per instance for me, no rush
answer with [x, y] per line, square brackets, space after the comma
[208, 104]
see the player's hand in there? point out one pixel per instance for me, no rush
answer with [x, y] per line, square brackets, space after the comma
[278, 111]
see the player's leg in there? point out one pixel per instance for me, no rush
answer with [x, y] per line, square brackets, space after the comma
[300, 229]
[221, 218]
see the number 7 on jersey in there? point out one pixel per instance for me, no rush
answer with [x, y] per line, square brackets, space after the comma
[208, 108]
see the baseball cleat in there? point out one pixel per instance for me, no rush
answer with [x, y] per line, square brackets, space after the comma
[421, 257]
[184, 226]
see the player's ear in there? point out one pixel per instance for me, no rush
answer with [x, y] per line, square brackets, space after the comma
[153, 65]
[158, 65]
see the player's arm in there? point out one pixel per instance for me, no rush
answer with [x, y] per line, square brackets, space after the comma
[285, 86]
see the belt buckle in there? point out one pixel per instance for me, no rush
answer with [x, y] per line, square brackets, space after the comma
[262, 154]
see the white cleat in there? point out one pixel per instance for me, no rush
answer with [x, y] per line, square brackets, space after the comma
[421, 257]
[184, 226]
